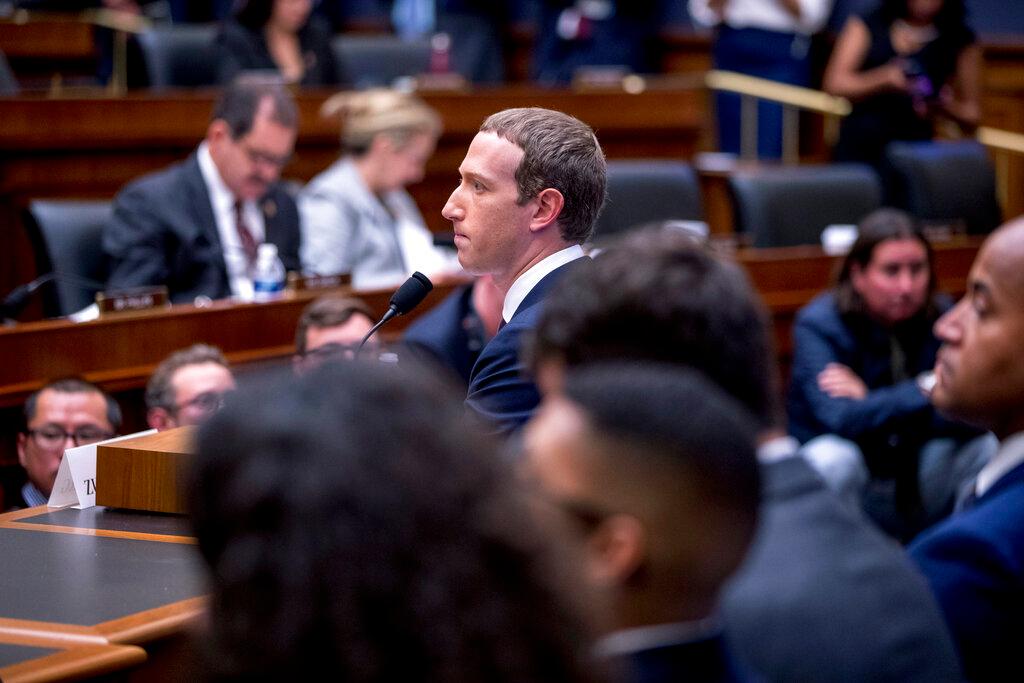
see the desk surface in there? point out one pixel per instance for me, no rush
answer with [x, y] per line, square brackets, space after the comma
[97, 576]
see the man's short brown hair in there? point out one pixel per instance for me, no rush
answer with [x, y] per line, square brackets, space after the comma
[560, 152]
[328, 311]
[159, 392]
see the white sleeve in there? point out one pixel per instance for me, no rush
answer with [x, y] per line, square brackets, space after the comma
[326, 234]
[814, 14]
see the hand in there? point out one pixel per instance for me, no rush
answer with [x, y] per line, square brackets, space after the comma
[894, 76]
[839, 381]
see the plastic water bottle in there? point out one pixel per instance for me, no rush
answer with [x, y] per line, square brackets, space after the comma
[268, 275]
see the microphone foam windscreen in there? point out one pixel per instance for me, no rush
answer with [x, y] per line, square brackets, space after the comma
[411, 293]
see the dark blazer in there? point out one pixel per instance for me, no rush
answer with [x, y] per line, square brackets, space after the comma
[700, 661]
[242, 49]
[500, 388]
[824, 596]
[451, 334]
[975, 563]
[163, 233]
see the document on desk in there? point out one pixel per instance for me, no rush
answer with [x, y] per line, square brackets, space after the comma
[76, 478]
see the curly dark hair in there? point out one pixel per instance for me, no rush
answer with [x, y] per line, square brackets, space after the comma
[355, 523]
[657, 295]
[951, 21]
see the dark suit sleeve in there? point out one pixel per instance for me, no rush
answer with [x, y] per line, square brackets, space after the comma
[974, 580]
[134, 241]
[500, 391]
[815, 345]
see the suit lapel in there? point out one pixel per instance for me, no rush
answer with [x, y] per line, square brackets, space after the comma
[198, 200]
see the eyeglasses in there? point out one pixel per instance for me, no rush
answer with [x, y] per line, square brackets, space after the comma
[207, 402]
[258, 157]
[53, 437]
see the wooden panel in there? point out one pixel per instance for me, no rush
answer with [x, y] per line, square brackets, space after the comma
[41, 661]
[145, 473]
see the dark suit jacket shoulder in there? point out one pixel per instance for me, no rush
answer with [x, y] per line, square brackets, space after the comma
[974, 562]
[451, 334]
[163, 232]
[500, 388]
[823, 595]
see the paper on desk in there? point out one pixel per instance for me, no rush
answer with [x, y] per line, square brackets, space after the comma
[76, 477]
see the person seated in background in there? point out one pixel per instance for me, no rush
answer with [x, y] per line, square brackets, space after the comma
[196, 226]
[187, 387]
[822, 595]
[353, 522]
[63, 414]
[280, 36]
[329, 328]
[903, 65]
[656, 467]
[763, 38]
[975, 559]
[860, 354]
[356, 216]
[454, 332]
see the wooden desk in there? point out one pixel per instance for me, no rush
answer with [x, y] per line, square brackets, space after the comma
[26, 659]
[99, 577]
[89, 147]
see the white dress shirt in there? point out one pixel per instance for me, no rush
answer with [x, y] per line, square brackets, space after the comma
[638, 639]
[222, 200]
[525, 283]
[769, 15]
[1009, 455]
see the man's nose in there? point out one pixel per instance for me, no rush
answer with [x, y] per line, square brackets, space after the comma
[451, 210]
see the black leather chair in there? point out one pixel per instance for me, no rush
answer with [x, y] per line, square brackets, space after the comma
[370, 61]
[67, 237]
[946, 181]
[180, 55]
[8, 83]
[644, 191]
[780, 206]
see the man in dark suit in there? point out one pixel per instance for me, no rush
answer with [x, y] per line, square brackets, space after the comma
[975, 559]
[196, 226]
[822, 595]
[657, 466]
[533, 182]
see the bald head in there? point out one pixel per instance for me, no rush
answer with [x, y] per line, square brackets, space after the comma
[980, 367]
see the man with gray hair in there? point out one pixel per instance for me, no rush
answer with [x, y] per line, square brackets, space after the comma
[187, 387]
[532, 185]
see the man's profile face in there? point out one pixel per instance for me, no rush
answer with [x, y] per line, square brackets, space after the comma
[198, 391]
[894, 283]
[250, 164]
[979, 370]
[492, 230]
[40, 451]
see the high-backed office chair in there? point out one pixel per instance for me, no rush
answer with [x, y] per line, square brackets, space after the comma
[180, 55]
[947, 181]
[642, 191]
[779, 206]
[8, 83]
[67, 237]
[368, 61]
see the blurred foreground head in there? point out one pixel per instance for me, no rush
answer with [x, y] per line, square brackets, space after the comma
[354, 522]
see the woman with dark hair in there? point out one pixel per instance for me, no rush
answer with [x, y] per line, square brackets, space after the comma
[277, 35]
[863, 353]
[903, 65]
[357, 528]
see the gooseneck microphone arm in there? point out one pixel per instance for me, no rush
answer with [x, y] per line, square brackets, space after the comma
[18, 297]
[407, 297]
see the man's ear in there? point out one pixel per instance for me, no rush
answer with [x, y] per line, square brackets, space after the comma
[549, 207]
[159, 419]
[217, 132]
[22, 444]
[616, 549]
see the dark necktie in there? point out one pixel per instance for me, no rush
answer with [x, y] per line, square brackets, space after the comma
[248, 241]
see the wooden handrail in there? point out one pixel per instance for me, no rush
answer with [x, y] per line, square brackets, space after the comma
[1003, 140]
[783, 93]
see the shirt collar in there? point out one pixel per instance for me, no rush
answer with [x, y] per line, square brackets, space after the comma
[1009, 455]
[776, 449]
[630, 640]
[525, 283]
[32, 496]
[221, 198]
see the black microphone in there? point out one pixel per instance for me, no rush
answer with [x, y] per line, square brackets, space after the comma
[16, 299]
[407, 297]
